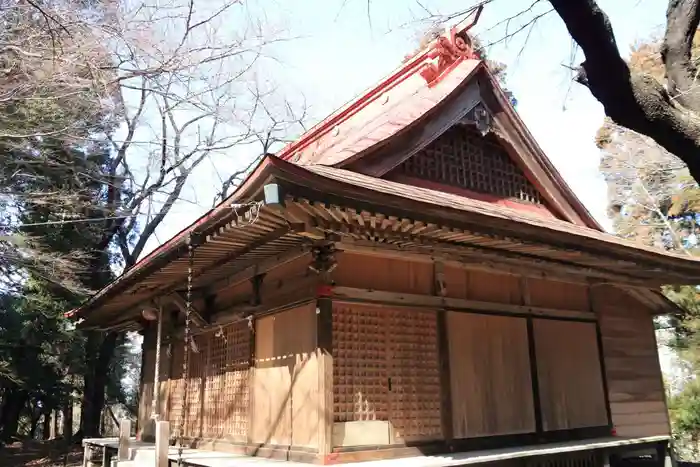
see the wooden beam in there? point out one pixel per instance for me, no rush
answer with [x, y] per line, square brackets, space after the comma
[181, 303]
[301, 221]
[293, 292]
[260, 267]
[479, 259]
[458, 304]
[171, 287]
[124, 435]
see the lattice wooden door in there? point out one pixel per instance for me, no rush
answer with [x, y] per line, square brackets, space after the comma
[414, 378]
[385, 368]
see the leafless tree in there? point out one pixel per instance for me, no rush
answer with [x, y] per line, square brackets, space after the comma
[168, 85]
[189, 91]
[643, 179]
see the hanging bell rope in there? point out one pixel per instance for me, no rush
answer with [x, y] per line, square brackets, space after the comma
[186, 349]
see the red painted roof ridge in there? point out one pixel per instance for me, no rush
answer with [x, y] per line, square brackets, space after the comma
[417, 63]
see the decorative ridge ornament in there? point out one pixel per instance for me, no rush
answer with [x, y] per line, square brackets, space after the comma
[449, 48]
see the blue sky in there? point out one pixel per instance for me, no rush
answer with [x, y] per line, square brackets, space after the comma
[339, 50]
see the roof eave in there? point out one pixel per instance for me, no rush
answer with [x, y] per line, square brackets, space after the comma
[161, 255]
[612, 246]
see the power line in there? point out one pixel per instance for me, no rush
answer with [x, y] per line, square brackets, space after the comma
[73, 221]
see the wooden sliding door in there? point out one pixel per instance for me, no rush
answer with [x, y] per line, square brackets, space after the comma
[569, 374]
[492, 372]
[491, 386]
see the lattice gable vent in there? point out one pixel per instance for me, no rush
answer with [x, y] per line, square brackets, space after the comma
[463, 158]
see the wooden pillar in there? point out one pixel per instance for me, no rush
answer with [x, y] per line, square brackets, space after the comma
[46, 426]
[256, 283]
[525, 300]
[155, 405]
[324, 263]
[162, 443]
[106, 457]
[68, 419]
[439, 289]
[324, 340]
[86, 455]
[124, 435]
[140, 418]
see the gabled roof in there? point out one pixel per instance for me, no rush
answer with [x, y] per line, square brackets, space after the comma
[495, 229]
[344, 155]
[418, 102]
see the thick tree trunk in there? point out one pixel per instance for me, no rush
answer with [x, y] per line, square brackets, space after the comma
[14, 402]
[34, 425]
[634, 100]
[54, 430]
[68, 420]
[96, 377]
[46, 427]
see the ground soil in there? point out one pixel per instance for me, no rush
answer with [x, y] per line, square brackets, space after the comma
[40, 454]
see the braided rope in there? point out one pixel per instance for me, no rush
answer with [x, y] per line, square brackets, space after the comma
[186, 350]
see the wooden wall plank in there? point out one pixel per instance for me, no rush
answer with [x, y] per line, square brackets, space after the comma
[549, 293]
[285, 379]
[298, 267]
[494, 287]
[490, 372]
[377, 273]
[635, 385]
[569, 375]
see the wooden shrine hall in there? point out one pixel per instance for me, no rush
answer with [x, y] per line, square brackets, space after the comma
[411, 277]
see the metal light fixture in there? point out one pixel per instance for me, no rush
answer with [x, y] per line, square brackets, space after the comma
[149, 314]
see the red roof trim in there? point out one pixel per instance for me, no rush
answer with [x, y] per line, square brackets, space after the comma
[354, 106]
[434, 62]
[553, 174]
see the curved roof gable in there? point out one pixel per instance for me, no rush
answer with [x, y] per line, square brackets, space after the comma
[418, 102]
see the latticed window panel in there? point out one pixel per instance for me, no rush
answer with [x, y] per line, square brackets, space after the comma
[414, 401]
[218, 390]
[226, 391]
[359, 364]
[386, 367]
[462, 158]
[195, 386]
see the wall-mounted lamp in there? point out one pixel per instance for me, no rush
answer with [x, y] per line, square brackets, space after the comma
[149, 314]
